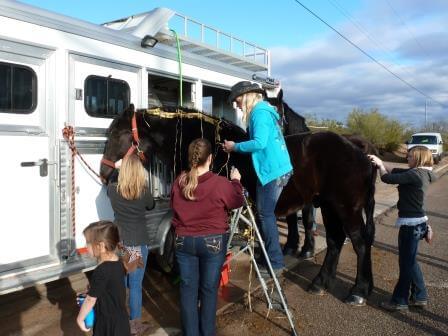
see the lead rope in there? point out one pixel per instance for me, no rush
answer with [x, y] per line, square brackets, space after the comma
[69, 135]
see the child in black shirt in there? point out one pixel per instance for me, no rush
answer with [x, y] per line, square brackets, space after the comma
[412, 185]
[107, 292]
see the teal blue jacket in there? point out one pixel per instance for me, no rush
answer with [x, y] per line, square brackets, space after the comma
[267, 146]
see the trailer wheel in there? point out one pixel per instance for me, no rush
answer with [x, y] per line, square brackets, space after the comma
[167, 261]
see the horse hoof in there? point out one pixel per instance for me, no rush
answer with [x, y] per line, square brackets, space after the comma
[306, 255]
[356, 300]
[316, 290]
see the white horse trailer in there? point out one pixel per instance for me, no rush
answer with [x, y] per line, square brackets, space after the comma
[57, 71]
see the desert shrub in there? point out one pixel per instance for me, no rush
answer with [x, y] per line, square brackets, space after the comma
[385, 133]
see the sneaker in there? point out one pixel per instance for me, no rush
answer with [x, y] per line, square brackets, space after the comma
[265, 274]
[393, 307]
[418, 303]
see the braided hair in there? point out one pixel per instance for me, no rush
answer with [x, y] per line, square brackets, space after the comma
[198, 152]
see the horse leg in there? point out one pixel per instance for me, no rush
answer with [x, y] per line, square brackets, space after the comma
[362, 246]
[335, 240]
[292, 241]
[308, 220]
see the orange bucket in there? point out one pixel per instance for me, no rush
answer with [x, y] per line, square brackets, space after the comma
[225, 271]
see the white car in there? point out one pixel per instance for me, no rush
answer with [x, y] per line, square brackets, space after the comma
[433, 141]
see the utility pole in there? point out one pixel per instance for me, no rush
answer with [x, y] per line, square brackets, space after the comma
[426, 115]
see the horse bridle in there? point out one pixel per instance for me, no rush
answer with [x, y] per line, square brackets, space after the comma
[135, 146]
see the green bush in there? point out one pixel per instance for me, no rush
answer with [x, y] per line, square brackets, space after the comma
[315, 124]
[385, 133]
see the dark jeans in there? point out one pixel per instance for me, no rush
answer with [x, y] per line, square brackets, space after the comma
[267, 197]
[200, 260]
[308, 216]
[411, 277]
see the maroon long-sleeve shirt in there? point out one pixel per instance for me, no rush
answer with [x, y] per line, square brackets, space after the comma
[207, 214]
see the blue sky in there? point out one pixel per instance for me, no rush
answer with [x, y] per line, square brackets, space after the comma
[321, 74]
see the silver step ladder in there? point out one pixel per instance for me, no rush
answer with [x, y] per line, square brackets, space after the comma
[246, 216]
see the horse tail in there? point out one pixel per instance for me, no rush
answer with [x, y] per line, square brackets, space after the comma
[369, 207]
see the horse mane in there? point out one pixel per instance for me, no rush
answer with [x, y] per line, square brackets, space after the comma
[191, 113]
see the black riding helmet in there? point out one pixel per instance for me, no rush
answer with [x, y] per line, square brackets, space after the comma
[243, 87]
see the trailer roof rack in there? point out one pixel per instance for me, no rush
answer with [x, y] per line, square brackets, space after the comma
[195, 37]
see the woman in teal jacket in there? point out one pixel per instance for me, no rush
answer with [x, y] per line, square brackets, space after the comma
[270, 158]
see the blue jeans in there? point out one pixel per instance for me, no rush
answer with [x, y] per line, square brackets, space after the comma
[134, 282]
[267, 197]
[200, 260]
[411, 277]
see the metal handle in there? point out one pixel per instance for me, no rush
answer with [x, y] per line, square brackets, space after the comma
[42, 163]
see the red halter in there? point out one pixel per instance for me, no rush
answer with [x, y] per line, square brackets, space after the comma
[135, 146]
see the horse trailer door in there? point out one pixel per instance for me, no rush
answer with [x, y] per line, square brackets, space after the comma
[27, 169]
[101, 90]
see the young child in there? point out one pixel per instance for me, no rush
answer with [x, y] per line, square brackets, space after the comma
[412, 184]
[107, 292]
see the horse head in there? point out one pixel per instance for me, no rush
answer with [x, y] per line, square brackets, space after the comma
[123, 140]
[291, 121]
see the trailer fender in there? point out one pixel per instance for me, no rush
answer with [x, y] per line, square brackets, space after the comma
[163, 230]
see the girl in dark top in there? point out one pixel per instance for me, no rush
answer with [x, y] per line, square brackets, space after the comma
[130, 199]
[107, 292]
[412, 184]
[201, 200]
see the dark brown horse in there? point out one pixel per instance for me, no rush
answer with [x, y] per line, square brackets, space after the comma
[335, 175]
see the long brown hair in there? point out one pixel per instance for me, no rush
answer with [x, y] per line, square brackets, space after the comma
[132, 178]
[102, 232]
[198, 152]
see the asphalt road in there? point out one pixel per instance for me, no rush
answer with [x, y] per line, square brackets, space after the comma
[328, 315]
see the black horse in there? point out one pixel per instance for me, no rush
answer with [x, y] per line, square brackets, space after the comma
[167, 133]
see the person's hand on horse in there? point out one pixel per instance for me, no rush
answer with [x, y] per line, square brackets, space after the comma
[376, 160]
[228, 146]
[235, 174]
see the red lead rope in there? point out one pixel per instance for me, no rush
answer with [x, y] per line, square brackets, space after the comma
[69, 135]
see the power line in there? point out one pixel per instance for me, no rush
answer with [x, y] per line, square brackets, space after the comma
[367, 54]
[407, 28]
[365, 32]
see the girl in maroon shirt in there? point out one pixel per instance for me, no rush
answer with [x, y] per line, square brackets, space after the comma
[201, 200]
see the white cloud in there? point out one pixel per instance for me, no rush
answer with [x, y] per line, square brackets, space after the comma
[329, 77]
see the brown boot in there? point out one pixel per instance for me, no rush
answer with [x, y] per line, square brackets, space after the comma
[138, 328]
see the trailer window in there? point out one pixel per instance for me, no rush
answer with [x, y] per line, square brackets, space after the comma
[18, 89]
[164, 91]
[215, 102]
[105, 97]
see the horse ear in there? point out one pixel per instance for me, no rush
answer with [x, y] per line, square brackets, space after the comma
[280, 95]
[129, 111]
